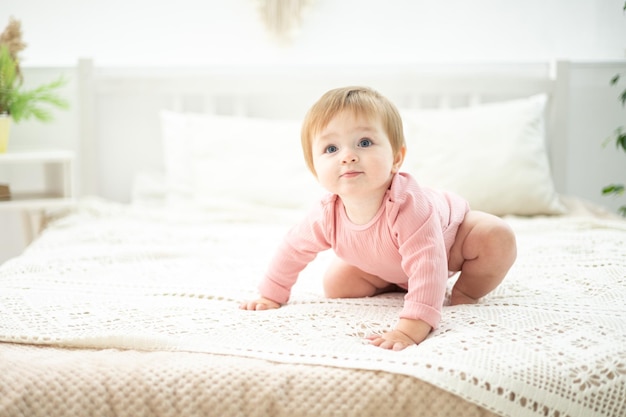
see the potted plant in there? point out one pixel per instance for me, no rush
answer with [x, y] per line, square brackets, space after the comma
[16, 102]
[619, 137]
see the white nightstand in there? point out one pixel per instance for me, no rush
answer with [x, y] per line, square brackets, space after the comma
[39, 180]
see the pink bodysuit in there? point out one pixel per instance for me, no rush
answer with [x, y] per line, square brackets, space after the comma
[406, 243]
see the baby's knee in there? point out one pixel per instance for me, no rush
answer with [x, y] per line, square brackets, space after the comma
[346, 281]
[504, 240]
[499, 246]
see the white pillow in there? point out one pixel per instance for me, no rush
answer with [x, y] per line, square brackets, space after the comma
[228, 162]
[494, 155]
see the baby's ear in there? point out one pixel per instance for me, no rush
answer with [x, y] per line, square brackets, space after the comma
[398, 160]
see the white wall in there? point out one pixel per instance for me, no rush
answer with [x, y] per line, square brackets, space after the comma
[198, 32]
[206, 32]
[594, 112]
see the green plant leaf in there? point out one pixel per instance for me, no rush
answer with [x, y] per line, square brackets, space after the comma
[619, 136]
[24, 104]
[620, 141]
[8, 79]
[617, 189]
[32, 103]
[622, 97]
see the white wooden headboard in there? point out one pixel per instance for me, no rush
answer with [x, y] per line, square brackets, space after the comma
[120, 127]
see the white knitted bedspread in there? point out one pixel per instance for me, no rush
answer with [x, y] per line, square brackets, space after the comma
[550, 341]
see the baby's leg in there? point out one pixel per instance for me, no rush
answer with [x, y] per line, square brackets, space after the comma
[484, 250]
[343, 280]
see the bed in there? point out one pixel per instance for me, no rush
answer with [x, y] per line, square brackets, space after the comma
[129, 308]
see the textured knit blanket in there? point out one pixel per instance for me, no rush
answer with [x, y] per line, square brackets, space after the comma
[550, 341]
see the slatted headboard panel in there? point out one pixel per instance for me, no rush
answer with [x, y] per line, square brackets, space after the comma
[120, 125]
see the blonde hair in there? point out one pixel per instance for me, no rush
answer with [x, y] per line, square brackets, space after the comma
[362, 101]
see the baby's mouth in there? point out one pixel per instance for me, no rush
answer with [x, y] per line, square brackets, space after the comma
[351, 174]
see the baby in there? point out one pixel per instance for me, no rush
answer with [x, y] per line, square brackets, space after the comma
[388, 232]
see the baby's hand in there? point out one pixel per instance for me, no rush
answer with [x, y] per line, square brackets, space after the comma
[393, 340]
[407, 332]
[259, 304]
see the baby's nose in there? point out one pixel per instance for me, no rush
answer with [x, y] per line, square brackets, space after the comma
[349, 157]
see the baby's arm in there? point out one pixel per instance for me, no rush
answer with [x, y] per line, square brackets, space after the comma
[261, 303]
[407, 332]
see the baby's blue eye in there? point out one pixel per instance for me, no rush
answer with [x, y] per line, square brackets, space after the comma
[330, 149]
[364, 143]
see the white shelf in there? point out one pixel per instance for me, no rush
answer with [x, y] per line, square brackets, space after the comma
[35, 202]
[35, 156]
[50, 178]
[39, 181]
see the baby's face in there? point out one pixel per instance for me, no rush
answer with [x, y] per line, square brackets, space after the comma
[353, 157]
